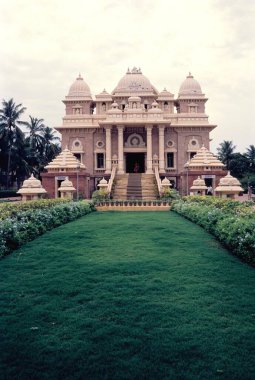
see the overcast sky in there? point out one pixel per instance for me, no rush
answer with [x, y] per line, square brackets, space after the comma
[44, 44]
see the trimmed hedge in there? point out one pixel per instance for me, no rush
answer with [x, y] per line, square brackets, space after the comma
[26, 225]
[231, 222]
[8, 193]
[10, 210]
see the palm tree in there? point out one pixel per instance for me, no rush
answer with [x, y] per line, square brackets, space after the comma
[10, 133]
[35, 128]
[226, 151]
[250, 155]
[34, 142]
[51, 146]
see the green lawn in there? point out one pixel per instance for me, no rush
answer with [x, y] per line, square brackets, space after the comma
[137, 295]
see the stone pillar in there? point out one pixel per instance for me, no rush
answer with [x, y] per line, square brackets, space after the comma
[149, 149]
[161, 149]
[120, 149]
[108, 150]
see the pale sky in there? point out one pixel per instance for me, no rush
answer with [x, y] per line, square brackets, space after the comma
[44, 44]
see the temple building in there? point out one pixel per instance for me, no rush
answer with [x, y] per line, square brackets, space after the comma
[132, 136]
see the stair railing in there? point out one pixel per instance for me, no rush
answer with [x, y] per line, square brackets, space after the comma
[110, 183]
[156, 172]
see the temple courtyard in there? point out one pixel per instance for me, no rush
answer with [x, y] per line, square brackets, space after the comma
[118, 295]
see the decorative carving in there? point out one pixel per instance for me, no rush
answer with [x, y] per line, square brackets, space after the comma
[135, 141]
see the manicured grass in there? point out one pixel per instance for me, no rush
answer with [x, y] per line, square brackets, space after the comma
[143, 295]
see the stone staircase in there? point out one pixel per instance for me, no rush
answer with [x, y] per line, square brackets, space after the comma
[135, 186]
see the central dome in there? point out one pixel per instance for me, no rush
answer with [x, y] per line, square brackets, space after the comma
[134, 82]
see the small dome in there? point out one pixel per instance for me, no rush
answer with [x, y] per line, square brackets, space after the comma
[198, 184]
[66, 183]
[79, 89]
[229, 180]
[154, 108]
[114, 109]
[32, 182]
[229, 185]
[165, 95]
[134, 82]
[66, 186]
[31, 186]
[165, 182]
[102, 183]
[190, 86]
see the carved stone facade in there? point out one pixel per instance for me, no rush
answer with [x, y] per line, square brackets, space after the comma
[134, 124]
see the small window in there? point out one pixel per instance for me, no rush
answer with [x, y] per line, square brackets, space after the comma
[192, 154]
[103, 106]
[165, 105]
[100, 160]
[170, 160]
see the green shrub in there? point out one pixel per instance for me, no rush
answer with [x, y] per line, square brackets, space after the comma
[10, 210]
[231, 222]
[26, 225]
[100, 195]
[169, 194]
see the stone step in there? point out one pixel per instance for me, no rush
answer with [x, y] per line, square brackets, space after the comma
[135, 186]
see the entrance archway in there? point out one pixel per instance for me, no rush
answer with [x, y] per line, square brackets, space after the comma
[135, 162]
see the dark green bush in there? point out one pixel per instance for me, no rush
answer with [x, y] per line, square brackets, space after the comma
[8, 193]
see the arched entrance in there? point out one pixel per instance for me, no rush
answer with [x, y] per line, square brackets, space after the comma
[135, 162]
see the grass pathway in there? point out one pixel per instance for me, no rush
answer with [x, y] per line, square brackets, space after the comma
[126, 296]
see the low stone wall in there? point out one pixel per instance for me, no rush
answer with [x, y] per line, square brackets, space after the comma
[133, 208]
[128, 205]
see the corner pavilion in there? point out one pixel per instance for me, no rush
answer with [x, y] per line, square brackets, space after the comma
[132, 131]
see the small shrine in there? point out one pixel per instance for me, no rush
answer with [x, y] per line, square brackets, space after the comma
[229, 187]
[206, 165]
[198, 187]
[65, 164]
[103, 184]
[31, 189]
[66, 189]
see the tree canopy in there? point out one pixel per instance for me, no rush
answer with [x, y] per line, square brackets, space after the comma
[23, 150]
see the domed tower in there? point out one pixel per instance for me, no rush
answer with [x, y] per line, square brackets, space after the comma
[134, 83]
[79, 99]
[190, 98]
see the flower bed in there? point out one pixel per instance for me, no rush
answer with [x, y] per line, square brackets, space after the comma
[231, 222]
[31, 219]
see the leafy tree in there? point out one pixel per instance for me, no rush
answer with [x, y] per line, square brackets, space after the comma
[225, 152]
[238, 165]
[10, 133]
